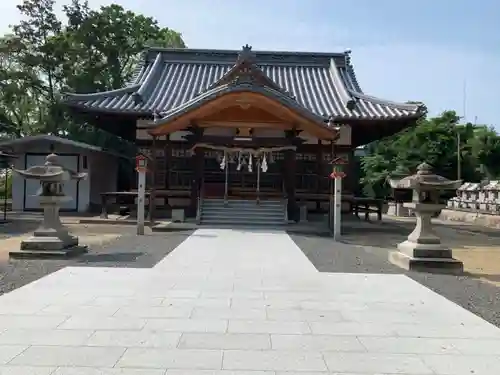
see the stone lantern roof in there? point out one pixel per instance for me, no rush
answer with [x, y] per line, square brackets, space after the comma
[425, 179]
[51, 171]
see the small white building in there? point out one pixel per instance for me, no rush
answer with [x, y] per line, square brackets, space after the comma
[101, 166]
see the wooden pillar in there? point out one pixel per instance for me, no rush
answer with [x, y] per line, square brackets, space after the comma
[152, 197]
[352, 177]
[198, 161]
[290, 171]
[168, 161]
[319, 171]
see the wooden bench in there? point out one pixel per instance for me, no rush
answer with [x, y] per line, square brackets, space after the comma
[127, 198]
[367, 206]
[357, 205]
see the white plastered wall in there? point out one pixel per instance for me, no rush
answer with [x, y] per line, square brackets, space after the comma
[43, 147]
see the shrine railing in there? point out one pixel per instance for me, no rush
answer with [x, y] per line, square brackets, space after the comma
[181, 179]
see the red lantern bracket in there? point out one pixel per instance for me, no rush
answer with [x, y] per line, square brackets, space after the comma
[141, 163]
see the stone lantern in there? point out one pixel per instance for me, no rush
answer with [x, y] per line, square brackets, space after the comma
[396, 205]
[51, 238]
[423, 249]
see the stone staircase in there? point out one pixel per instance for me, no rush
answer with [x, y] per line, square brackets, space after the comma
[242, 212]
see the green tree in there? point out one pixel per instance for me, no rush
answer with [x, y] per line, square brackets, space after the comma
[434, 141]
[35, 52]
[483, 147]
[95, 50]
[102, 48]
[20, 108]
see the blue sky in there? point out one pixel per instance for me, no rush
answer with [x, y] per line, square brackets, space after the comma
[401, 50]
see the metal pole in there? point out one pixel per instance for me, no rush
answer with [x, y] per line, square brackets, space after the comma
[338, 209]
[459, 157]
[330, 206]
[152, 193]
[5, 194]
[258, 180]
[464, 114]
[141, 192]
[226, 155]
[331, 200]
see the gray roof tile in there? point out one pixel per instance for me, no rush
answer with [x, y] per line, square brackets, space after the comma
[325, 84]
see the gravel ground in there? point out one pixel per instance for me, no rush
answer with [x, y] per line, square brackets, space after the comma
[128, 250]
[479, 297]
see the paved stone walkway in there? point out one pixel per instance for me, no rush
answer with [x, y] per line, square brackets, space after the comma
[244, 302]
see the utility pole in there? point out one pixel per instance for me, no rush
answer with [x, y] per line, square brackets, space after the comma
[464, 117]
[459, 158]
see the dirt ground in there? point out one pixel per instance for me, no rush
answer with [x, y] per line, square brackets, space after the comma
[477, 247]
[11, 234]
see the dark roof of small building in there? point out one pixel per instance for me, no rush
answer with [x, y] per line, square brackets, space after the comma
[57, 140]
[323, 83]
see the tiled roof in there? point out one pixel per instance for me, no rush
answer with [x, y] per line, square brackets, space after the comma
[322, 83]
[9, 143]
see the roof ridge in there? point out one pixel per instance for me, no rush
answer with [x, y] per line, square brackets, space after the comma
[350, 69]
[236, 51]
[229, 56]
[344, 93]
[146, 83]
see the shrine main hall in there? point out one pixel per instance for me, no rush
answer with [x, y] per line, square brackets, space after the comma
[244, 125]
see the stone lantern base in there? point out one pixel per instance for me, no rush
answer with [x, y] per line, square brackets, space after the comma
[51, 239]
[426, 264]
[423, 251]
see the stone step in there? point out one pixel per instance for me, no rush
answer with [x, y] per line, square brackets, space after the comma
[243, 221]
[208, 199]
[242, 212]
[250, 210]
[242, 204]
[244, 216]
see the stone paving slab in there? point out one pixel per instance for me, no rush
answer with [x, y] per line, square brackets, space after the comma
[238, 302]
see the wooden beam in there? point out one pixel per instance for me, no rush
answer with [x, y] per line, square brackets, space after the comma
[255, 142]
[280, 126]
[252, 99]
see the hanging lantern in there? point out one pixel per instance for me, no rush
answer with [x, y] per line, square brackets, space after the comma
[240, 161]
[223, 162]
[264, 163]
[338, 165]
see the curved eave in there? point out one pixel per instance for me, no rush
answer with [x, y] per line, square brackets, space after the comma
[360, 106]
[74, 99]
[143, 79]
[401, 110]
[228, 89]
[88, 109]
[390, 118]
